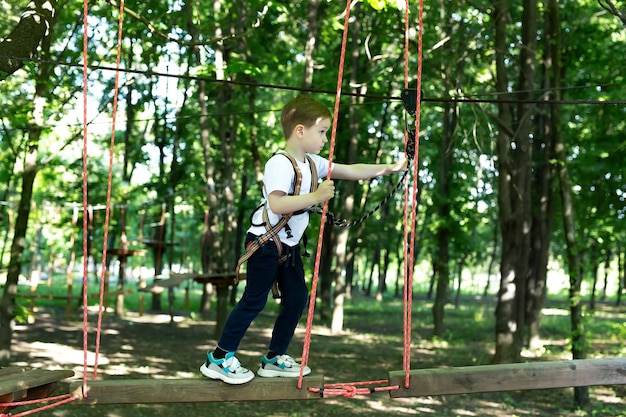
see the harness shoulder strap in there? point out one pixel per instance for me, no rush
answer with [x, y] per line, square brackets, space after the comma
[314, 178]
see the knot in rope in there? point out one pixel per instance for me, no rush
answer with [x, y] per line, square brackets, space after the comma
[350, 391]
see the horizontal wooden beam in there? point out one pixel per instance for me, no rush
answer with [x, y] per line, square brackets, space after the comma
[16, 379]
[160, 391]
[48, 296]
[160, 285]
[510, 377]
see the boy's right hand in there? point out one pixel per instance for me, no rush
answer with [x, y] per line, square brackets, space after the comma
[326, 190]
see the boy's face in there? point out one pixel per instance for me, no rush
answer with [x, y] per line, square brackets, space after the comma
[314, 138]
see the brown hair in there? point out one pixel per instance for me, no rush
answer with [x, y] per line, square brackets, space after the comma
[302, 110]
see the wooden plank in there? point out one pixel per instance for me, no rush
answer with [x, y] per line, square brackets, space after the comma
[161, 285]
[208, 277]
[49, 296]
[12, 382]
[510, 377]
[160, 391]
[10, 370]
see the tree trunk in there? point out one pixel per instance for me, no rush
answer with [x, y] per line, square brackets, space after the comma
[346, 203]
[581, 394]
[208, 237]
[505, 349]
[621, 274]
[312, 32]
[492, 261]
[605, 277]
[595, 271]
[549, 122]
[31, 168]
[460, 265]
[514, 172]
[382, 280]
[451, 78]
[17, 247]
[325, 274]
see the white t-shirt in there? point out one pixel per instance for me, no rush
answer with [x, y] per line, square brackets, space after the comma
[280, 176]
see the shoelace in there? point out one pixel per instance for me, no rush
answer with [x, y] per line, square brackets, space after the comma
[233, 364]
[286, 359]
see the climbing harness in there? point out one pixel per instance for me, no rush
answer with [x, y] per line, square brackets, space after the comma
[271, 232]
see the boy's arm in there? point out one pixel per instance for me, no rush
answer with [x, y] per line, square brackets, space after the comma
[281, 203]
[366, 171]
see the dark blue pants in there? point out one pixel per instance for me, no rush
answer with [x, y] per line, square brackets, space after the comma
[263, 268]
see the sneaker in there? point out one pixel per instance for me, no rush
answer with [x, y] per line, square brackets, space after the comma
[228, 369]
[281, 365]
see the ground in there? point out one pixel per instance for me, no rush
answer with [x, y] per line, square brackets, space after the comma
[153, 347]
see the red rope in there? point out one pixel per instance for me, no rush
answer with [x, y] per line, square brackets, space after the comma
[107, 210]
[85, 196]
[405, 312]
[85, 184]
[409, 252]
[64, 399]
[352, 389]
[318, 255]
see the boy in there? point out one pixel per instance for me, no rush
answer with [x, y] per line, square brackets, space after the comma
[305, 123]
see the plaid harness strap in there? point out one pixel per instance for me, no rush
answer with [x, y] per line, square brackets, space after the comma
[271, 232]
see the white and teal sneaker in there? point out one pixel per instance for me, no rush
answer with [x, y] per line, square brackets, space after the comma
[281, 366]
[228, 369]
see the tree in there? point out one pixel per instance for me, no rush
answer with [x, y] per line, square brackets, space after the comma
[452, 78]
[609, 5]
[548, 122]
[30, 170]
[22, 43]
[514, 170]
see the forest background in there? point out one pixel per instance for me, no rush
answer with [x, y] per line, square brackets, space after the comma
[520, 160]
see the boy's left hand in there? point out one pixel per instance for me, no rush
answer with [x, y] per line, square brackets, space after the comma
[400, 166]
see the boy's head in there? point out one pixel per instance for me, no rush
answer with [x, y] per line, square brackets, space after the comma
[304, 111]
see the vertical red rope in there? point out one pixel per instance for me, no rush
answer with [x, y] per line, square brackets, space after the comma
[411, 251]
[109, 181]
[85, 183]
[405, 312]
[318, 254]
[85, 193]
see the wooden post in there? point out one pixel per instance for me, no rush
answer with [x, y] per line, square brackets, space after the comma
[222, 307]
[510, 377]
[142, 285]
[69, 280]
